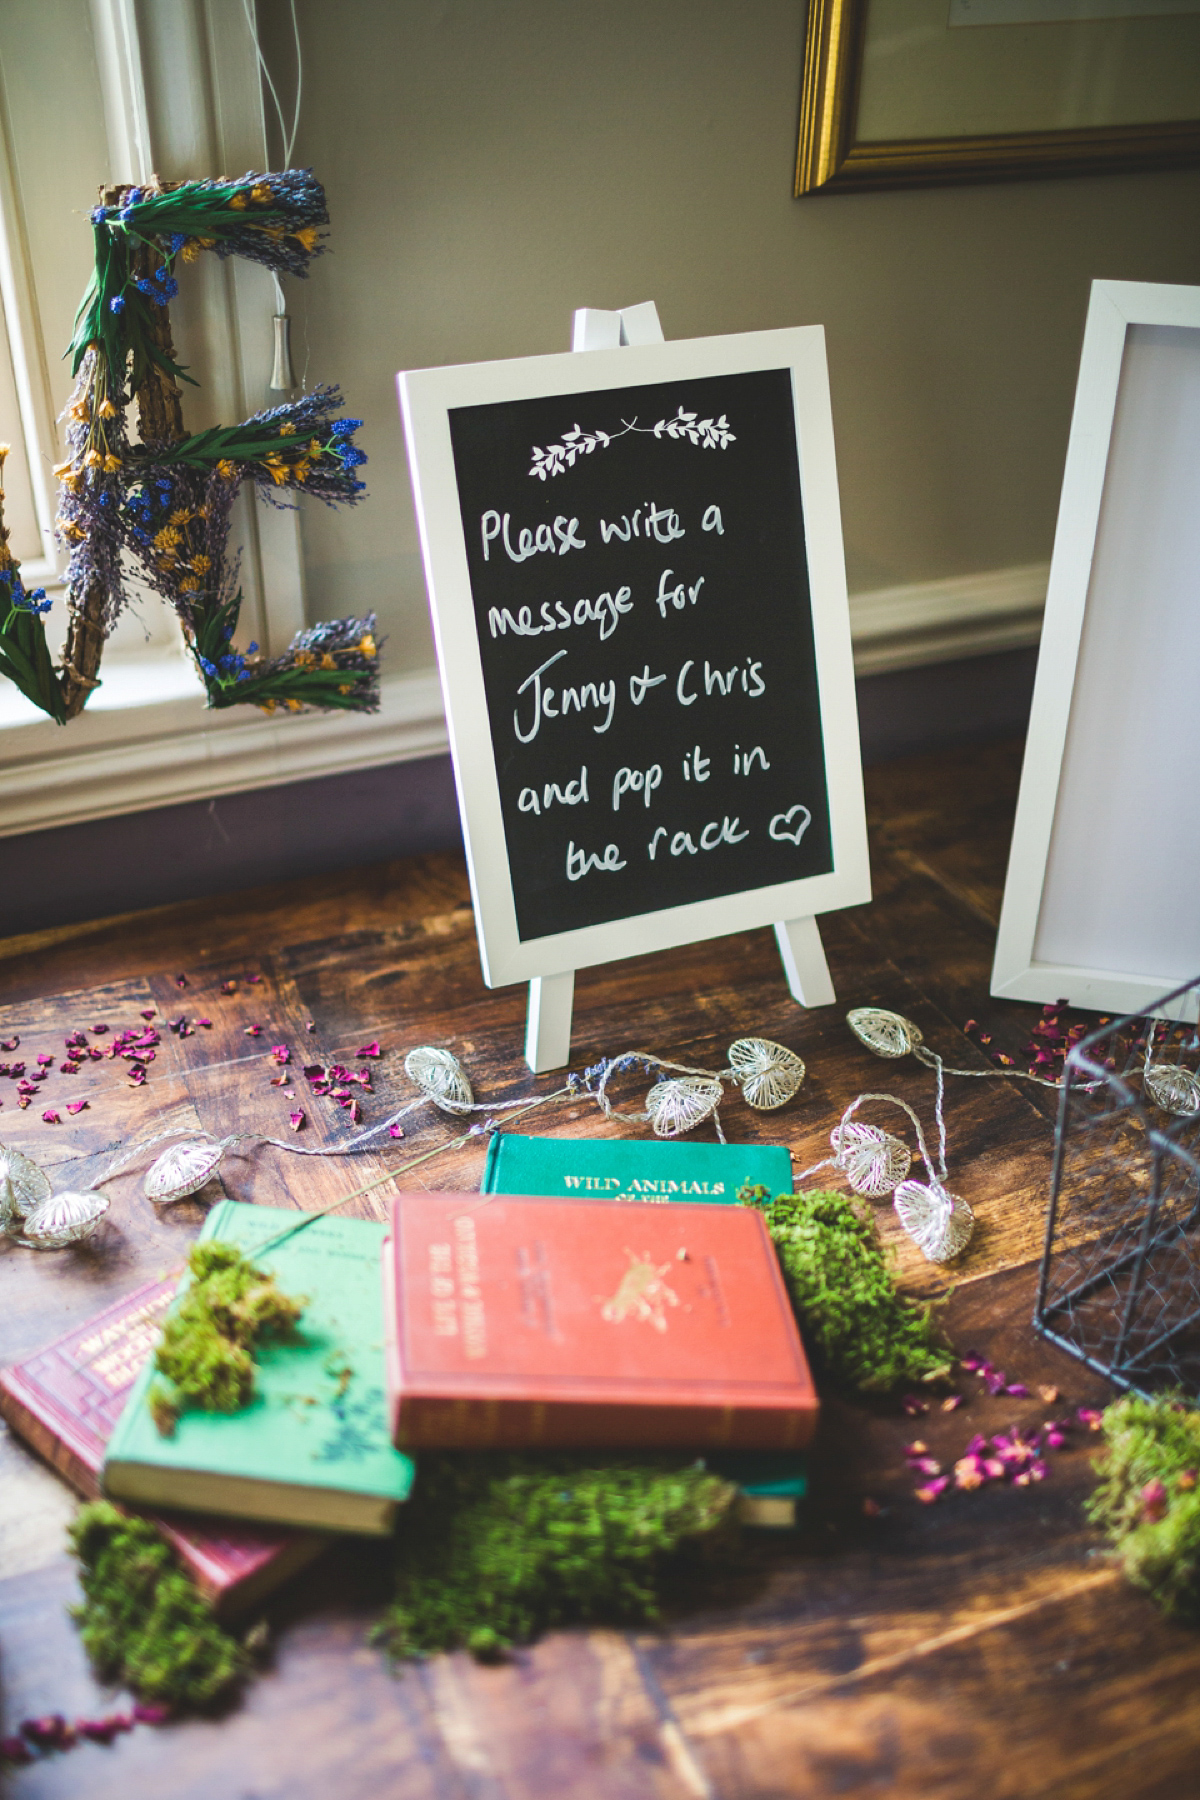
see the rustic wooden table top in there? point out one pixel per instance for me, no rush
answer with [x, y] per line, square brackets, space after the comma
[980, 1646]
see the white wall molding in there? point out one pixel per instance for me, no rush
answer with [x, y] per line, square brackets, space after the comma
[155, 746]
[169, 751]
[940, 621]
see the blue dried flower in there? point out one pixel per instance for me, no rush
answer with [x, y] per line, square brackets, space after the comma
[117, 303]
[345, 427]
[352, 457]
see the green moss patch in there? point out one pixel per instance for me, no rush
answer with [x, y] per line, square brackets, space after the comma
[863, 1333]
[1148, 1500]
[142, 1622]
[207, 1347]
[494, 1548]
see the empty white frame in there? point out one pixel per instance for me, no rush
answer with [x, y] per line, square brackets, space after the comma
[1102, 899]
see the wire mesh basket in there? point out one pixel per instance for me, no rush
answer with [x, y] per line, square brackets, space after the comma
[1120, 1278]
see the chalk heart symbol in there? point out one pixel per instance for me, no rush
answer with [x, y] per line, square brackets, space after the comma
[778, 828]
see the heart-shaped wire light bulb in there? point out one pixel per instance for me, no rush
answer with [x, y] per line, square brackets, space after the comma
[885, 1033]
[768, 1074]
[874, 1162]
[681, 1102]
[182, 1170]
[441, 1078]
[1172, 1087]
[23, 1186]
[939, 1223]
[63, 1219]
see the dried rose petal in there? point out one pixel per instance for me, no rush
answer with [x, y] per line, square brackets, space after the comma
[281, 1053]
[932, 1490]
[925, 1465]
[149, 1013]
[914, 1406]
[1048, 1394]
[253, 978]
[207, 1023]
[952, 1402]
[314, 1071]
[1154, 1502]
[296, 1120]
[995, 1382]
[137, 1076]
[252, 1031]
[871, 1508]
[229, 987]
[68, 1068]
[51, 1732]
[968, 1472]
[100, 1731]
[1055, 1440]
[309, 1025]
[918, 1447]
[23, 1102]
[993, 1468]
[99, 1030]
[181, 981]
[372, 1050]
[278, 1080]
[151, 1715]
[15, 1750]
[1186, 1480]
[320, 1087]
[395, 1131]
[51, 1117]
[1087, 1415]
[1018, 1389]
[44, 1060]
[17, 1069]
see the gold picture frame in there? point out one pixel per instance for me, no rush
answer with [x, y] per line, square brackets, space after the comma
[832, 158]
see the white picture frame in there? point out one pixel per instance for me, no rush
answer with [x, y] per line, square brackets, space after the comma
[427, 398]
[1102, 897]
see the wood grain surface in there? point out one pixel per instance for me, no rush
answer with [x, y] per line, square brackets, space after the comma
[979, 1647]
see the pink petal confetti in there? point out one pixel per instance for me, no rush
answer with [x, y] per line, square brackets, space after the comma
[10, 1043]
[207, 1023]
[914, 1406]
[968, 1472]
[51, 1117]
[149, 1013]
[151, 1715]
[296, 1120]
[933, 1490]
[1055, 1440]
[68, 1068]
[926, 1465]
[99, 1030]
[229, 987]
[314, 1071]
[252, 1031]
[181, 981]
[95, 1053]
[44, 1060]
[1018, 1390]
[23, 1102]
[372, 1050]
[1154, 1502]
[76, 1106]
[253, 978]
[17, 1069]
[1087, 1415]
[138, 1076]
[952, 1402]
[993, 1468]
[281, 1053]
[918, 1447]
[395, 1131]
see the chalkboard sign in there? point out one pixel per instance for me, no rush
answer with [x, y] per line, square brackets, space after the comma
[635, 569]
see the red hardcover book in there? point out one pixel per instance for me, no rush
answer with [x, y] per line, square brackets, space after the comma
[65, 1401]
[516, 1322]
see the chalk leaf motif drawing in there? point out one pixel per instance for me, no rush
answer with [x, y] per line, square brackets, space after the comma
[706, 434]
[642, 1295]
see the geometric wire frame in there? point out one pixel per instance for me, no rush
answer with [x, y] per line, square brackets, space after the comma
[1120, 1278]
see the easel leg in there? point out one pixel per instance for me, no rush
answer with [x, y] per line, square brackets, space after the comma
[548, 1027]
[804, 962]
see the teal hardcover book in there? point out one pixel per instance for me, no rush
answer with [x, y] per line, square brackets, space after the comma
[625, 1169]
[312, 1447]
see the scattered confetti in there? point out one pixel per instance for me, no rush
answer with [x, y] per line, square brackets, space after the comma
[371, 1050]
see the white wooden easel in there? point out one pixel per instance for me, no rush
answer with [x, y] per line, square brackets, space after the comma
[551, 997]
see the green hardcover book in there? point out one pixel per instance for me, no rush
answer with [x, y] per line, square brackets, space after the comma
[773, 1483]
[626, 1169]
[312, 1448]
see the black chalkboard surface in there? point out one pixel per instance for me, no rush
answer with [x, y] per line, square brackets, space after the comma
[641, 600]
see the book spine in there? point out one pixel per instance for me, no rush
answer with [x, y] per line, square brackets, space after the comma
[429, 1422]
[51, 1443]
[491, 1164]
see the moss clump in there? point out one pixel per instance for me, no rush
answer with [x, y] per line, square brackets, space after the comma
[207, 1348]
[143, 1623]
[495, 1548]
[864, 1333]
[1148, 1500]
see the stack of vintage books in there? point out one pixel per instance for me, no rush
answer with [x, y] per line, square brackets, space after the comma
[563, 1305]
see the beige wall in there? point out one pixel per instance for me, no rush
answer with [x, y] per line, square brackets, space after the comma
[492, 164]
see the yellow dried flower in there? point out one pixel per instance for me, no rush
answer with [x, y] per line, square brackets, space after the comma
[191, 251]
[227, 470]
[261, 192]
[93, 460]
[367, 644]
[238, 202]
[111, 464]
[327, 661]
[287, 429]
[345, 687]
[314, 449]
[188, 586]
[294, 705]
[307, 235]
[268, 706]
[106, 409]
[167, 538]
[202, 563]
[206, 243]
[181, 515]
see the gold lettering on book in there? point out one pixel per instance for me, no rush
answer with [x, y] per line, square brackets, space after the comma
[441, 1290]
[474, 1319]
[642, 1295]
